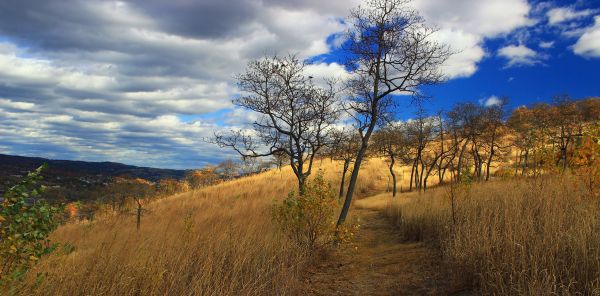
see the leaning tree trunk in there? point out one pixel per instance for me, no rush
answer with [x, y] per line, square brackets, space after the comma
[356, 169]
[392, 161]
[412, 173]
[346, 164]
[489, 162]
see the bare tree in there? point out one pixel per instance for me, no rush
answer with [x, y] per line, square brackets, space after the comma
[442, 149]
[228, 169]
[391, 52]
[295, 113]
[521, 124]
[467, 119]
[565, 120]
[494, 129]
[344, 144]
[391, 142]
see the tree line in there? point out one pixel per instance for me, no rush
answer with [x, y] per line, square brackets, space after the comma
[471, 140]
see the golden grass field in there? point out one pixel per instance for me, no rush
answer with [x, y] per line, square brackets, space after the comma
[215, 241]
[512, 237]
[535, 236]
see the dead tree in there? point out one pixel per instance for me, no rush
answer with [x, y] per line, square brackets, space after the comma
[390, 141]
[467, 118]
[391, 51]
[295, 114]
[521, 124]
[564, 121]
[420, 132]
[344, 144]
[440, 150]
[494, 130]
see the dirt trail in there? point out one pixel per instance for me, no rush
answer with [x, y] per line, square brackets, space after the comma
[383, 264]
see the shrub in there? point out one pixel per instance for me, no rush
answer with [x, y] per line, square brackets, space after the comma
[25, 223]
[309, 218]
[587, 161]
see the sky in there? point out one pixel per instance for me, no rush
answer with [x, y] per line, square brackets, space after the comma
[145, 82]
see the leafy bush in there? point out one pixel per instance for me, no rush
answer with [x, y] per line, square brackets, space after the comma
[25, 223]
[309, 219]
[587, 161]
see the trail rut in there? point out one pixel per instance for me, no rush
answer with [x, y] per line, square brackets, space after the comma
[382, 264]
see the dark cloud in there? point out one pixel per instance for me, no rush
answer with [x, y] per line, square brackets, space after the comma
[201, 19]
[107, 80]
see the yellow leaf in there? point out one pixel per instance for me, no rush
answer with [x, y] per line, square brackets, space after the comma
[2, 219]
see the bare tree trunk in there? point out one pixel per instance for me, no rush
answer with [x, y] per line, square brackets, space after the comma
[421, 176]
[139, 214]
[517, 162]
[412, 173]
[345, 169]
[355, 170]
[393, 160]
[489, 162]
[460, 161]
[301, 185]
[525, 161]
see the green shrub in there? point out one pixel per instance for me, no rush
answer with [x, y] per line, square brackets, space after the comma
[309, 219]
[25, 223]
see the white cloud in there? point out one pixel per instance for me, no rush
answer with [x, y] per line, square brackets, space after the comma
[107, 80]
[324, 70]
[547, 44]
[488, 18]
[464, 25]
[519, 55]
[491, 101]
[588, 44]
[562, 14]
[468, 52]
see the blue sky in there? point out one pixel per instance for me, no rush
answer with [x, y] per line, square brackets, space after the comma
[145, 82]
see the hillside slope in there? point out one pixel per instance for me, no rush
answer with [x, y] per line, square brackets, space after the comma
[219, 240]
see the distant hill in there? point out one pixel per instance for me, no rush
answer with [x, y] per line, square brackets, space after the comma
[19, 165]
[76, 180]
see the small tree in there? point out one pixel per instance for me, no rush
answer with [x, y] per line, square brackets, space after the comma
[390, 141]
[26, 220]
[140, 190]
[295, 114]
[587, 161]
[344, 143]
[228, 169]
[202, 178]
[168, 187]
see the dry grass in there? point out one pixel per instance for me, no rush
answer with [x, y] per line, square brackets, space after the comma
[516, 237]
[215, 241]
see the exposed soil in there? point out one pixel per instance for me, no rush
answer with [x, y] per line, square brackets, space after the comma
[382, 264]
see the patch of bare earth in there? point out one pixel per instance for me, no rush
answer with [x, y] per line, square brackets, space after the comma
[382, 264]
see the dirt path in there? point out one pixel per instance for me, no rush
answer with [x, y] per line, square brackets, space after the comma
[382, 265]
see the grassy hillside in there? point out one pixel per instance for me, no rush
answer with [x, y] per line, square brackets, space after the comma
[523, 236]
[216, 241]
[535, 236]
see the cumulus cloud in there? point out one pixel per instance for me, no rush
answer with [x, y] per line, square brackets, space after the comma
[491, 101]
[547, 44]
[562, 14]
[519, 55]
[465, 25]
[588, 44]
[112, 80]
